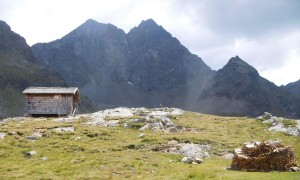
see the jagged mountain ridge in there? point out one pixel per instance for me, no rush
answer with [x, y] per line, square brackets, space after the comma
[148, 67]
[109, 69]
[19, 68]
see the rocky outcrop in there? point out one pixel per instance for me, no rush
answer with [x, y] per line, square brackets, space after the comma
[157, 119]
[193, 153]
[278, 124]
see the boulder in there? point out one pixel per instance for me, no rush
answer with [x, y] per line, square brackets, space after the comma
[112, 123]
[30, 153]
[198, 160]
[195, 150]
[266, 115]
[64, 129]
[144, 127]
[187, 160]
[294, 169]
[117, 112]
[96, 121]
[172, 129]
[43, 158]
[141, 135]
[125, 125]
[2, 135]
[192, 160]
[279, 127]
[77, 138]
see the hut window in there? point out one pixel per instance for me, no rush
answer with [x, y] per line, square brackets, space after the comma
[57, 96]
[29, 107]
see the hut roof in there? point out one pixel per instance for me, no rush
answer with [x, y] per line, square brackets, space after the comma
[51, 90]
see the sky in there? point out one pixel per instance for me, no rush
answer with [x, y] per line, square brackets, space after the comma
[264, 33]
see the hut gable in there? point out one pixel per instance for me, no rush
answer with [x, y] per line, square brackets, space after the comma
[51, 100]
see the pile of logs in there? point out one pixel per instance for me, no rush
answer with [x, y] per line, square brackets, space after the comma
[264, 156]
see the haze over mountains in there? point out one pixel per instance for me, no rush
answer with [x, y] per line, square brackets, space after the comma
[148, 67]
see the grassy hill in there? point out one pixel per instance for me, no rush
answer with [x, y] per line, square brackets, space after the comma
[119, 152]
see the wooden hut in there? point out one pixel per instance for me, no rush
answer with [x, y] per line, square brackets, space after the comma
[51, 101]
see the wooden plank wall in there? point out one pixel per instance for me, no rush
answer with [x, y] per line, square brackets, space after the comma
[49, 104]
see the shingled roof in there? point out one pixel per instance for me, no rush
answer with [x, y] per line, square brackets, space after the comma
[51, 90]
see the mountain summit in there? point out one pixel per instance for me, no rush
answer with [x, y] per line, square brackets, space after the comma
[116, 69]
[237, 65]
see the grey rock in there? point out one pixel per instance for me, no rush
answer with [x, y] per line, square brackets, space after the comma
[194, 150]
[30, 153]
[173, 142]
[112, 123]
[136, 120]
[74, 161]
[187, 160]
[279, 127]
[266, 115]
[141, 135]
[270, 121]
[64, 129]
[12, 133]
[127, 125]
[35, 136]
[144, 127]
[166, 121]
[173, 129]
[32, 138]
[192, 160]
[294, 131]
[294, 169]
[43, 158]
[2, 135]
[77, 138]
[198, 160]
[96, 121]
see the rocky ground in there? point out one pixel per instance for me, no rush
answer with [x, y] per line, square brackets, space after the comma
[135, 142]
[158, 119]
[279, 124]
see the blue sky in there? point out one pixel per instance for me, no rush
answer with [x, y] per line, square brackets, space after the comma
[266, 34]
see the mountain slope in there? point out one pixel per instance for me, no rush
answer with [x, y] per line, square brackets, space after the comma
[239, 89]
[293, 88]
[157, 61]
[114, 69]
[19, 69]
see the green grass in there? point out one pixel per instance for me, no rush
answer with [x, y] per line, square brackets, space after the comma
[118, 153]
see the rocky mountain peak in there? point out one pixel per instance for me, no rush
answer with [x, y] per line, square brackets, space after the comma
[148, 23]
[92, 28]
[149, 31]
[237, 66]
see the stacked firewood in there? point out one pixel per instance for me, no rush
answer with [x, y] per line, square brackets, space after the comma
[264, 156]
